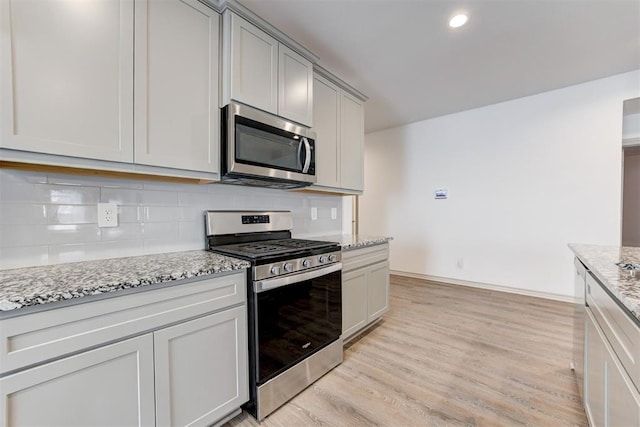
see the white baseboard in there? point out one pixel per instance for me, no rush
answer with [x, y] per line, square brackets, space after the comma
[507, 289]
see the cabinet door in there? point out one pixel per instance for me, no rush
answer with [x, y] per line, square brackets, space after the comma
[595, 374]
[201, 369]
[295, 86]
[253, 57]
[578, 324]
[176, 102]
[326, 121]
[67, 77]
[108, 386]
[351, 143]
[623, 400]
[378, 291]
[354, 301]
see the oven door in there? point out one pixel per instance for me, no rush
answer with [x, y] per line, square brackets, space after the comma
[262, 145]
[295, 317]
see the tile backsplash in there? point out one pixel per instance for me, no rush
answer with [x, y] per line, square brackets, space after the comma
[52, 218]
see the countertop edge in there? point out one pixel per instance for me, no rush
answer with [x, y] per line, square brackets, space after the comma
[633, 309]
[49, 286]
[55, 285]
[116, 293]
[347, 248]
[349, 242]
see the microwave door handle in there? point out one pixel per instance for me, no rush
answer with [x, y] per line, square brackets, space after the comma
[307, 155]
[300, 162]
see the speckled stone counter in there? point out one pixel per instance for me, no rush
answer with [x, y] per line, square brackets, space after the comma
[28, 287]
[601, 260]
[350, 241]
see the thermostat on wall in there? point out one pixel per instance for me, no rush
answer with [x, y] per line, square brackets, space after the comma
[441, 193]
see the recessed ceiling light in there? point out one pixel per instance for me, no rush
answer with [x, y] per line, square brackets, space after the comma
[458, 21]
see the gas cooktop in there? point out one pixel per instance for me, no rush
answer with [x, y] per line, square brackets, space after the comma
[271, 247]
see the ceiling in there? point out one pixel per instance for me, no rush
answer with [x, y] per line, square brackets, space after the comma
[412, 66]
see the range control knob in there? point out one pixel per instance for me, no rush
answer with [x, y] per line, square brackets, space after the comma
[275, 270]
[288, 267]
[306, 263]
[332, 258]
[323, 259]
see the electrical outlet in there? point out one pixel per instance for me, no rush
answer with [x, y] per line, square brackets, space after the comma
[107, 215]
[334, 213]
[314, 214]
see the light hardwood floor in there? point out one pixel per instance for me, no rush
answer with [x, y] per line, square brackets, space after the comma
[447, 355]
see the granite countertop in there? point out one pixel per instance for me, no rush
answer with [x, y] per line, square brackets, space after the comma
[350, 241]
[34, 286]
[601, 260]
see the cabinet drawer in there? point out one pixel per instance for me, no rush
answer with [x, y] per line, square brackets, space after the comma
[358, 258]
[622, 333]
[37, 337]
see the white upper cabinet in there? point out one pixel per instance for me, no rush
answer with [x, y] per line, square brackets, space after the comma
[261, 72]
[128, 81]
[295, 86]
[351, 143]
[326, 124]
[339, 126]
[251, 76]
[177, 121]
[67, 77]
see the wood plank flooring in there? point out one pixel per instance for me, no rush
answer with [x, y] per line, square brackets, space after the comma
[447, 355]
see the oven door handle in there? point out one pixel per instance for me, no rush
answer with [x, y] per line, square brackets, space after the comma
[268, 284]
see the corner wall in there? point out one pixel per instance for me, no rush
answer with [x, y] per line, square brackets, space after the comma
[525, 178]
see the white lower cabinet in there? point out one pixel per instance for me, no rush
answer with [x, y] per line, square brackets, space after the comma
[623, 399]
[201, 369]
[378, 290]
[108, 386]
[354, 301]
[193, 372]
[610, 398]
[365, 288]
[594, 380]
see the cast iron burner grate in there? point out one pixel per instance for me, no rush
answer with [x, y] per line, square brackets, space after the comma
[257, 248]
[271, 247]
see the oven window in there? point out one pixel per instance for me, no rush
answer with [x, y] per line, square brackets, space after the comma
[296, 320]
[259, 147]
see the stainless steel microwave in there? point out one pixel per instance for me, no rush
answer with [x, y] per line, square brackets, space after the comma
[262, 149]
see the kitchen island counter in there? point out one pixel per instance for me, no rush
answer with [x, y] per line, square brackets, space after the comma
[24, 288]
[623, 285]
[351, 241]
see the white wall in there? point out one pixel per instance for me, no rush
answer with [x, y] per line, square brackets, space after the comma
[52, 218]
[525, 178]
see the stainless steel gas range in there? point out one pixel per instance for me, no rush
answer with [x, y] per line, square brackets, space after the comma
[294, 296]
